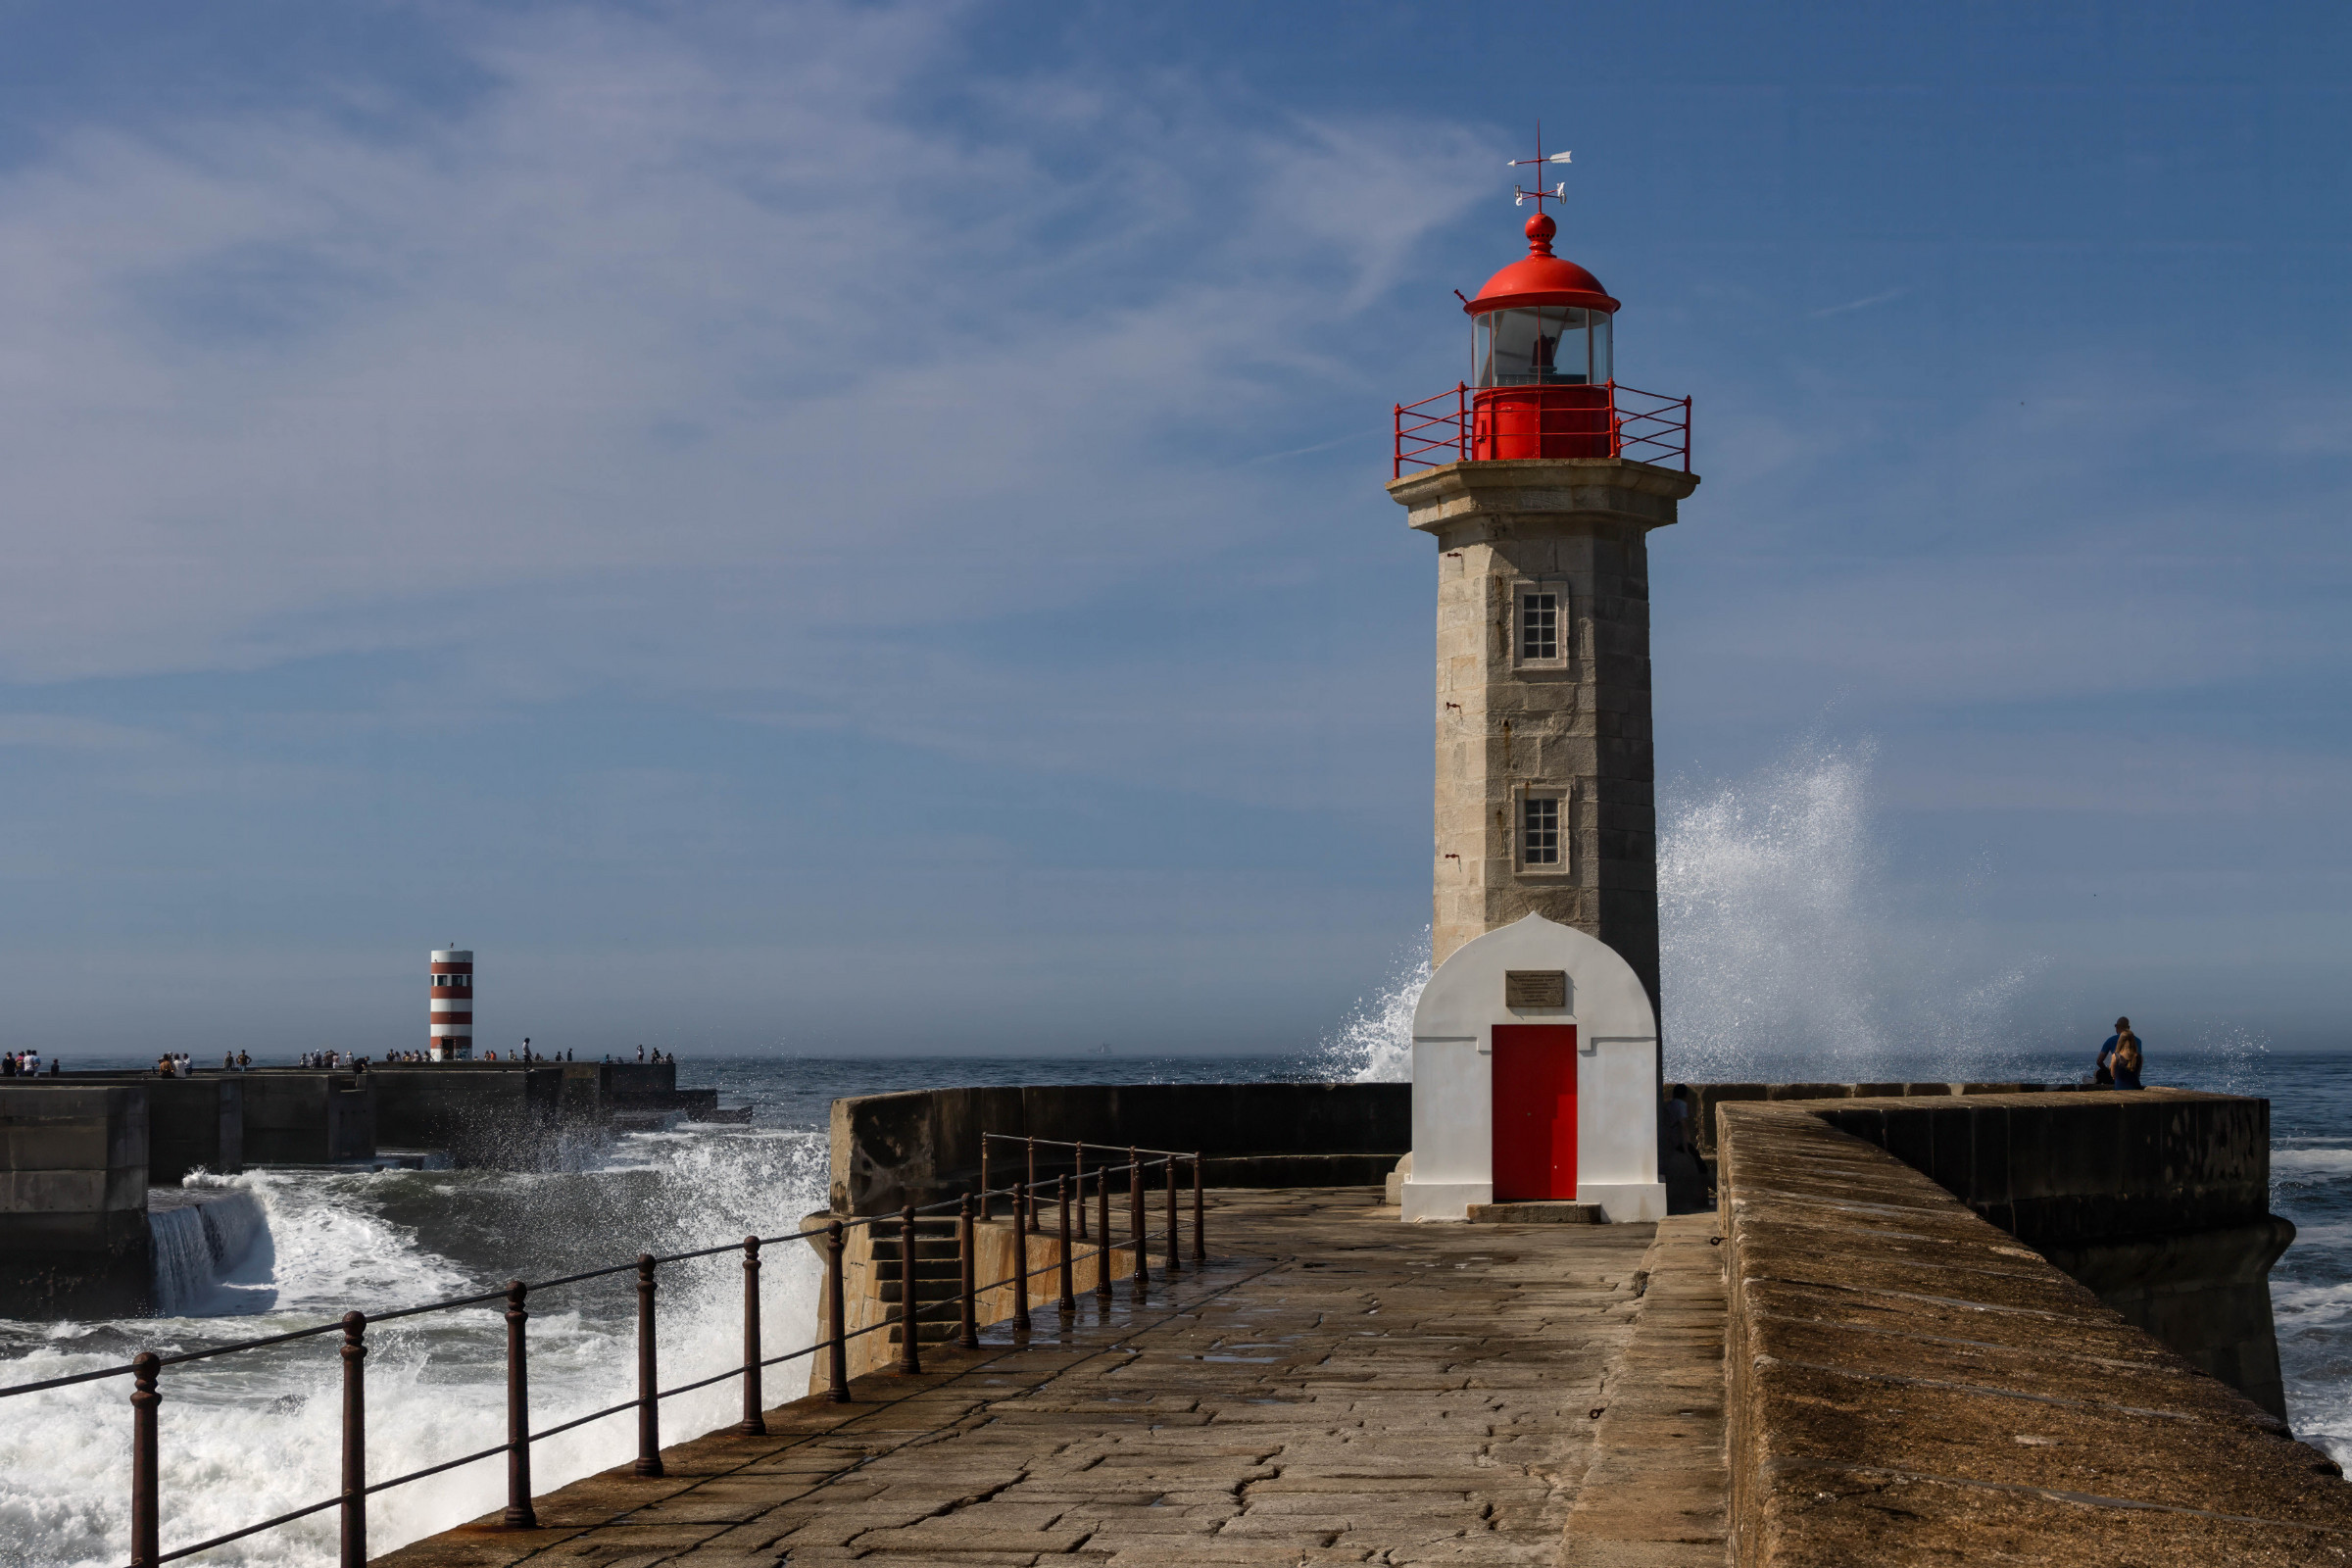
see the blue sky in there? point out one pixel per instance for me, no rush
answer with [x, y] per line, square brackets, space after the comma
[859, 527]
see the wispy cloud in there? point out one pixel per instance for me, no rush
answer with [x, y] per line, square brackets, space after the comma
[1862, 304]
[659, 308]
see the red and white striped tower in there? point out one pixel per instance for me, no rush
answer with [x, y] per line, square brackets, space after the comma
[453, 1003]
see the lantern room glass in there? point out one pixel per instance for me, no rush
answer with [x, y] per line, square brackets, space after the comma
[1547, 345]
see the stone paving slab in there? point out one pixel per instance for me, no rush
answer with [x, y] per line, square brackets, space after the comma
[1336, 1387]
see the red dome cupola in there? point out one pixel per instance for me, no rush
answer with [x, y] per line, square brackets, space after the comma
[1540, 279]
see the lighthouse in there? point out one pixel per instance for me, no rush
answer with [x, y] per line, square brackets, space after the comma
[1540, 477]
[452, 1017]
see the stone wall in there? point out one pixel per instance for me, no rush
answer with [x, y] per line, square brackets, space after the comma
[489, 1113]
[1908, 1382]
[308, 1118]
[194, 1124]
[2158, 1200]
[73, 1201]
[923, 1146]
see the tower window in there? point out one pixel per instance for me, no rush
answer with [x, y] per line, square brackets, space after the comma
[1539, 625]
[1540, 830]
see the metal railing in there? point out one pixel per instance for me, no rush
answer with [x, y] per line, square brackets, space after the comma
[1642, 427]
[145, 1369]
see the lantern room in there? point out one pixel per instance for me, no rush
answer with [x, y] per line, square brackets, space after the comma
[1542, 378]
[1541, 357]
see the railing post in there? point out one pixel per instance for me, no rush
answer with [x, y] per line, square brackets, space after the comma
[1175, 1241]
[837, 1353]
[1135, 1220]
[754, 1423]
[966, 1258]
[1461, 421]
[1396, 458]
[1200, 1213]
[519, 1515]
[1069, 1296]
[649, 1380]
[354, 1443]
[145, 1522]
[1020, 1261]
[911, 1355]
[1102, 1254]
[1029, 1194]
[1686, 435]
[984, 1201]
[1078, 1172]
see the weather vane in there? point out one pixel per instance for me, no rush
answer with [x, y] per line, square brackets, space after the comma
[1520, 193]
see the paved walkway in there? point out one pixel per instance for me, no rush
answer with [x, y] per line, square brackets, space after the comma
[1336, 1387]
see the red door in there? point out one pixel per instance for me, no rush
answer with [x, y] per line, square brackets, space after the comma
[1535, 1110]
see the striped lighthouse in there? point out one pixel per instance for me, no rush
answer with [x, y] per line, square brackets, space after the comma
[452, 1004]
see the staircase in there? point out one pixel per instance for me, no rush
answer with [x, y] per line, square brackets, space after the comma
[938, 1277]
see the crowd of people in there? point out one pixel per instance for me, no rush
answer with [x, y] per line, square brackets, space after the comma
[25, 1063]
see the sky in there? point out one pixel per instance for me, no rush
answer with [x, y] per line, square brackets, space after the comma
[859, 527]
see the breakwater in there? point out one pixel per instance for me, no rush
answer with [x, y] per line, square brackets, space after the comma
[80, 1153]
[1899, 1380]
[1907, 1382]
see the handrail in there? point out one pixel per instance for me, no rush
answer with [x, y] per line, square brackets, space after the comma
[1640, 426]
[1080, 1142]
[145, 1516]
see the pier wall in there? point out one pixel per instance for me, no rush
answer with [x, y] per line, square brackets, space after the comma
[74, 1201]
[194, 1124]
[1906, 1374]
[306, 1118]
[924, 1145]
[483, 1113]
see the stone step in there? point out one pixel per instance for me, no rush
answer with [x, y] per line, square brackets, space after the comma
[1544, 1211]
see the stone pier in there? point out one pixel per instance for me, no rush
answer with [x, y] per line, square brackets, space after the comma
[1895, 1341]
[1337, 1387]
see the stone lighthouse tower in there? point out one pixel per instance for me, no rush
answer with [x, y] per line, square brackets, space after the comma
[1540, 479]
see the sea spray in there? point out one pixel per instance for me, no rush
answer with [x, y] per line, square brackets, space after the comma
[1785, 947]
[1375, 1043]
[248, 1436]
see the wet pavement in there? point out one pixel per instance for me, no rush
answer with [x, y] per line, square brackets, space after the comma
[1334, 1387]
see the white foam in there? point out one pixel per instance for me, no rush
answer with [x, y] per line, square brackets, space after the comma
[247, 1435]
[2311, 1162]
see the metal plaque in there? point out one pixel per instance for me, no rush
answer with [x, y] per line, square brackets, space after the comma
[1534, 988]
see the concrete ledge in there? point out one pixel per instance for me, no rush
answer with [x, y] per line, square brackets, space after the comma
[1908, 1382]
[1657, 1491]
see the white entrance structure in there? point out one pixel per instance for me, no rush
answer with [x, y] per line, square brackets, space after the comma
[1575, 1016]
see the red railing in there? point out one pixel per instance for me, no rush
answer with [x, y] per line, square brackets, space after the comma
[1642, 428]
